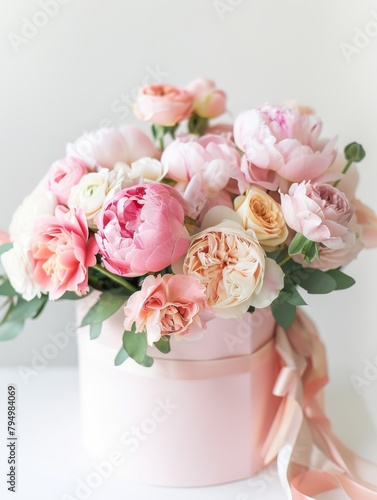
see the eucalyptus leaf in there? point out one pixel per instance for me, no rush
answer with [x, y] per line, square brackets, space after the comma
[343, 281]
[163, 345]
[147, 361]
[5, 247]
[10, 329]
[7, 289]
[24, 309]
[283, 312]
[316, 281]
[95, 330]
[135, 344]
[121, 356]
[107, 304]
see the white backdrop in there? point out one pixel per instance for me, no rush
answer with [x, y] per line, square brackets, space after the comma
[77, 67]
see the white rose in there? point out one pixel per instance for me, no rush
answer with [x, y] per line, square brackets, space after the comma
[93, 189]
[148, 169]
[40, 202]
[18, 267]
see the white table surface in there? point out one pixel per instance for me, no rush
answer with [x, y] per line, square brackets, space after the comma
[51, 461]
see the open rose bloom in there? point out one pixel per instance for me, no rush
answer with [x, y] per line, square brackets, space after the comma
[195, 221]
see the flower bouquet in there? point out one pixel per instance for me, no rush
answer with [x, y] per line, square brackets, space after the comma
[176, 239]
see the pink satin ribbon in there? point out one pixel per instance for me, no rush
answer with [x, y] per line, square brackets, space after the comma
[311, 460]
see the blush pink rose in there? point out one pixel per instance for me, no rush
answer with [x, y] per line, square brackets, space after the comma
[210, 102]
[63, 175]
[230, 262]
[283, 141]
[107, 146]
[141, 229]
[333, 258]
[62, 251]
[318, 211]
[168, 305]
[163, 104]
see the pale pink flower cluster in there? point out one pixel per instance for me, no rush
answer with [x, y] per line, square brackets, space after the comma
[188, 220]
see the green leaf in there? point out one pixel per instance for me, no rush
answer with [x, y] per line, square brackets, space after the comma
[95, 330]
[10, 329]
[283, 312]
[7, 289]
[5, 247]
[147, 361]
[310, 251]
[135, 344]
[41, 308]
[251, 309]
[297, 244]
[163, 345]
[106, 306]
[316, 281]
[292, 296]
[343, 281]
[24, 309]
[121, 356]
[74, 296]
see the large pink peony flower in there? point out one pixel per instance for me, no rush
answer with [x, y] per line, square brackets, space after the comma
[141, 229]
[168, 305]
[163, 104]
[281, 143]
[230, 262]
[107, 146]
[63, 175]
[62, 251]
[318, 211]
[203, 167]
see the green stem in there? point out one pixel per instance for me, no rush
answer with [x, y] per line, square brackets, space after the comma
[116, 279]
[344, 171]
[161, 142]
[284, 260]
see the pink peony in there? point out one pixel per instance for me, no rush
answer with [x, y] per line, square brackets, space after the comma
[163, 104]
[318, 211]
[203, 167]
[62, 251]
[167, 305]
[209, 101]
[284, 142]
[108, 146]
[63, 175]
[141, 229]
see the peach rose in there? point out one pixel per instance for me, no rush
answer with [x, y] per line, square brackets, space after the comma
[168, 305]
[163, 104]
[262, 214]
[229, 261]
[210, 101]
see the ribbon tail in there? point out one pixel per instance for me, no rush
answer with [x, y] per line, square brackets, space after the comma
[310, 459]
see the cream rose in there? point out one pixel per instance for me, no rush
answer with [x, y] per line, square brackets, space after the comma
[147, 169]
[92, 190]
[262, 214]
[229, 261]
